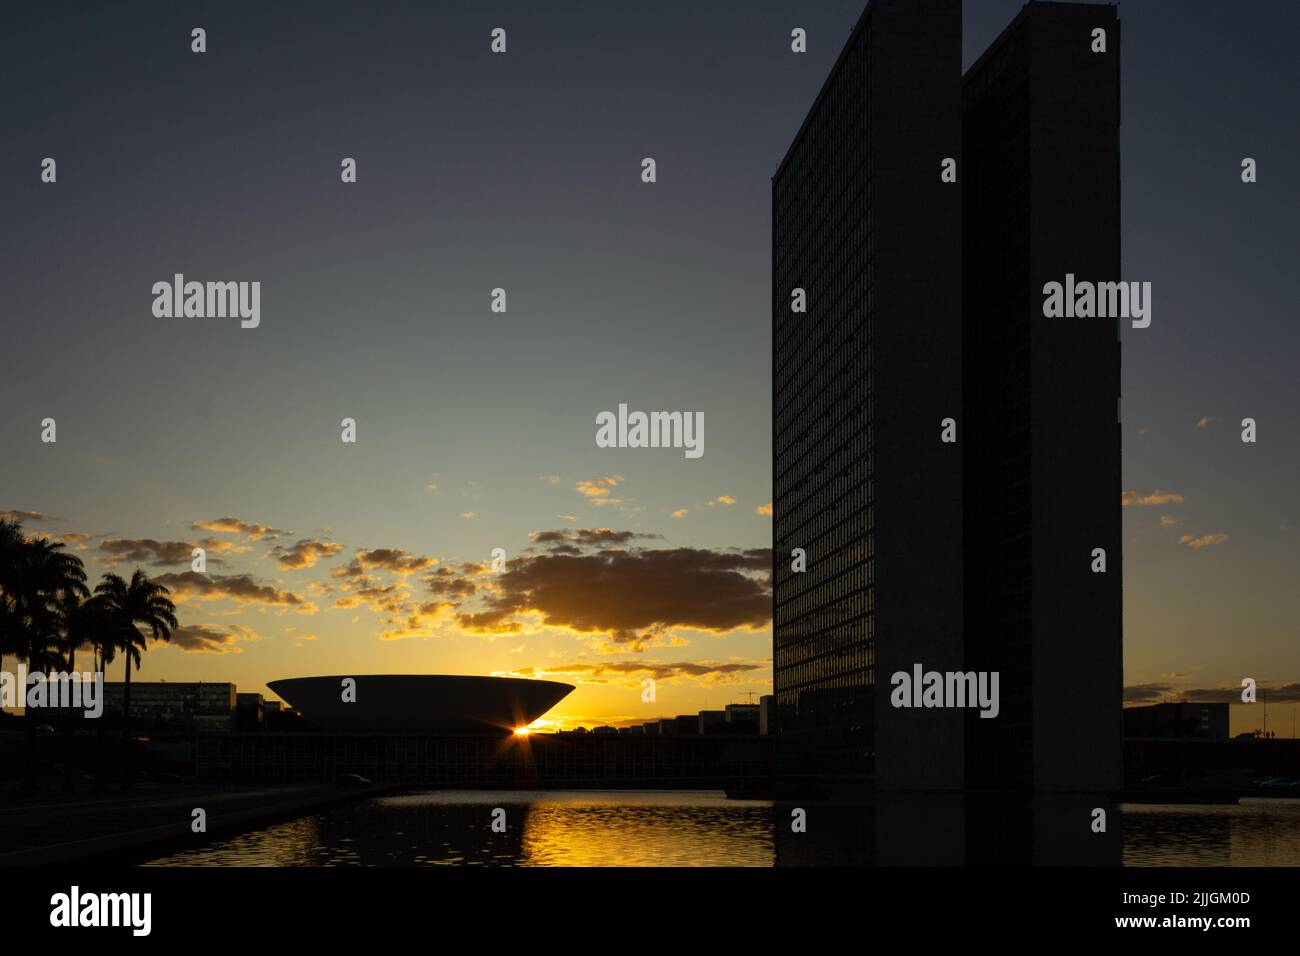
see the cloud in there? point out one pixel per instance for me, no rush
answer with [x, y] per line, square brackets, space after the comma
[681, 512]
[446, 581]
[382, 600]
[1165, 693]
[589, 537]
[1147, 693]
[1204, 541]
[549, 479]
[705, 672]
[1205, 422]
[1169, 521]
[418, 622]
[1156, 497]
[635, 597]
[393, 560]
[598, 490]
[71, 537]
[725, 500]
[765, 510]
[1281, 693]
[162, 553]
[237, 587]
[249, 529]
[305, 553]
[25, 516]
[208, 637]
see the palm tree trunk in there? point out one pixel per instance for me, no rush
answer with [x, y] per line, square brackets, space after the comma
[29, 738]
[126, 726]
[100, 783]
[70, 738]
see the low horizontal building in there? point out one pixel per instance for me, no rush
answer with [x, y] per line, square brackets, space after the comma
[1199, 721]
[181, 706]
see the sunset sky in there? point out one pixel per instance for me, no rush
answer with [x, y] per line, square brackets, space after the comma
[477, 430]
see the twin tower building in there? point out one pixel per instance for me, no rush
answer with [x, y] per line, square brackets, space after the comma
[945, 455]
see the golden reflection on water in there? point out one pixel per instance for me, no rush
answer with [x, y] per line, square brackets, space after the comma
[673, 828]
[692, 831]
[542, 829]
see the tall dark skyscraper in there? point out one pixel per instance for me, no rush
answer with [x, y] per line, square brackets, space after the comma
[862, 380]
[1042, 444]
[923, 305]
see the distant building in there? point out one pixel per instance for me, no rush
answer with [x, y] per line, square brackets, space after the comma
[743, 713]
[604, 729]
[174, 706]
[766, 705]
[1199, 721]
[710, 720]
[250, 712]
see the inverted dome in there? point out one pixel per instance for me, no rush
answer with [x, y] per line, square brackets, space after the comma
[421, 703]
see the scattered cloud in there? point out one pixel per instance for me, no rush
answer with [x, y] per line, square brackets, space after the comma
[237, 587]
[25, 516]
[1147, 693]
[390, 599]
[393, 560]
[1156, 497]
[418, 622]
[631, 672]
[249, 529]
[1169, 521]
[591, 537]
[163, 553]
[681, 512]
[599, 490]
[1166, 693]
[635, 597]
[1204, 541]
[305, 553]
[210, 638]
[765, 510]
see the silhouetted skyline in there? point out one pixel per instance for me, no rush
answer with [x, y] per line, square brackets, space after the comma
[522, 171]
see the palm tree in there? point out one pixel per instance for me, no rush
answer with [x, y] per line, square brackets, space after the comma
[85, 624]
[39, 581]
[11, 543]
[141, 602]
